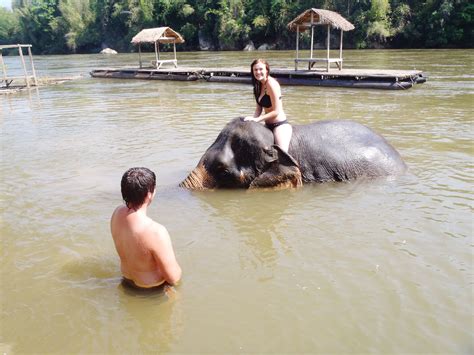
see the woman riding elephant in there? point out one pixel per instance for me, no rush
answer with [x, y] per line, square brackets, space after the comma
[268, 97]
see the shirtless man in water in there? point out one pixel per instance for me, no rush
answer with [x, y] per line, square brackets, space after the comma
[144, 246]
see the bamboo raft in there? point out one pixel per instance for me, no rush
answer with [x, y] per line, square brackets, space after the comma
[352, 78]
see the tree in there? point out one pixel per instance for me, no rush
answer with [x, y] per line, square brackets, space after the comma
[9, 27]
[65, 26]
[39, 26]
[76, 18]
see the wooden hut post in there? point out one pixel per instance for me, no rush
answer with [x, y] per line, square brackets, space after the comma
[328, 44]
[24, 66]
[32, 65]
[174, 50]
[4, 69]
[312, 34]
[340, 51]
[157, 53]
[297, 45]
[140, 54]
[315, 17]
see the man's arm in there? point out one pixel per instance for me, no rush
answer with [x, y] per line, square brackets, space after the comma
[163, 253]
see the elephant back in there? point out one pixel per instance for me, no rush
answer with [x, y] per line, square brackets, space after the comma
[339, 150]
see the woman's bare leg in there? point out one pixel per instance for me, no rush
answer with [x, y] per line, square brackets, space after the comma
[282, 136]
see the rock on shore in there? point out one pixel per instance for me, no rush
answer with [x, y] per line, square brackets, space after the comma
[108, 51]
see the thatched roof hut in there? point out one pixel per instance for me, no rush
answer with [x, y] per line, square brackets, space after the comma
[158, 35]
[319, 17]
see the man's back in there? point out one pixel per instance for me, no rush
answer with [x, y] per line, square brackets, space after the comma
[144, 247]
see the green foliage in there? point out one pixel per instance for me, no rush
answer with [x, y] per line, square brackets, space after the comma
[438, 24]
[9, 27]
[187, 10]
[76, 20]
[189, 32]
[260, 22]
[379, 26]
[39, 26]
[65, 26]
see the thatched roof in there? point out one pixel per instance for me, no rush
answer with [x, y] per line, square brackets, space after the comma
[320, 17]
[160, 34]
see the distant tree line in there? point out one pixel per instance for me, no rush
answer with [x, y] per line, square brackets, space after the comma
[84, 26]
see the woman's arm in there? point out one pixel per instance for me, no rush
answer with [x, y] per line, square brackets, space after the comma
[258, 112]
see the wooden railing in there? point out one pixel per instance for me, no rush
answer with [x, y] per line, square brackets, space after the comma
[26, 77]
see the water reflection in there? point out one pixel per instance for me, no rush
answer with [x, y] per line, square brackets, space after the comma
[259, 220]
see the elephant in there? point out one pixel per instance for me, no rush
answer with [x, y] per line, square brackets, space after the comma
[244, 156]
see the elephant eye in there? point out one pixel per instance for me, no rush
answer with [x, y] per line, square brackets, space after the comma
[222, 167]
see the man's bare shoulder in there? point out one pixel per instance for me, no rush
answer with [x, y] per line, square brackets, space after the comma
[120, 210]
[159, 230]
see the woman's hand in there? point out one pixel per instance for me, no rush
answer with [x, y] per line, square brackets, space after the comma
[250, 118]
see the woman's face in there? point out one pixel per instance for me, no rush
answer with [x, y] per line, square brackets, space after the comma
[260, 71]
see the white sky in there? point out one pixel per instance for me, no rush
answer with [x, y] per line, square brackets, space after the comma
[6, 3]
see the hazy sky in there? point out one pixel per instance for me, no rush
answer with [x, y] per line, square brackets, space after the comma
[6, 3]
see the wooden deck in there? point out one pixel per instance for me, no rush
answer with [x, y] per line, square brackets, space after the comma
[19, 85]
[354, 78]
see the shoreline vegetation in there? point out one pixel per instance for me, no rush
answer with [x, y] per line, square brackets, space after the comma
[88, 26]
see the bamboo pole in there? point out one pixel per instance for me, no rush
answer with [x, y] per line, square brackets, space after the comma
[32, 66]
[24, 66]
[312, 34]
[328, 45]
[157, 53]
[140, 54]
[340, 51]
[174, 50]
[4, 68]
[297, 45]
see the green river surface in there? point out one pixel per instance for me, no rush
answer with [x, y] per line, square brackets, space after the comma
[361, 267]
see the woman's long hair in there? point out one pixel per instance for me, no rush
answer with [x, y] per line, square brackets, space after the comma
[257, 86]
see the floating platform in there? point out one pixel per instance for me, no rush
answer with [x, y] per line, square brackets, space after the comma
[352, 78]
[16, 85]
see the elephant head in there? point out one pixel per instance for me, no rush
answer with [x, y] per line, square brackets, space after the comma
[244, 156]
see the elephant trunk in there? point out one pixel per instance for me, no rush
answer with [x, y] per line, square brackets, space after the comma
[198, 179]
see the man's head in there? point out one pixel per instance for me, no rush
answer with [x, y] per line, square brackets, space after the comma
[136, 184]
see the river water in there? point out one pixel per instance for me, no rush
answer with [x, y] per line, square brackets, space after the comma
[361, 267]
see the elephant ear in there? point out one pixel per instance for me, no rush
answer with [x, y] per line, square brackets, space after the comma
[281, 171]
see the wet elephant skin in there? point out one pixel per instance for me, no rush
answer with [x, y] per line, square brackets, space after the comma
[244, 156]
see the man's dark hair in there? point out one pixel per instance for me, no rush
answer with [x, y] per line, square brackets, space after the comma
[136, 184]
